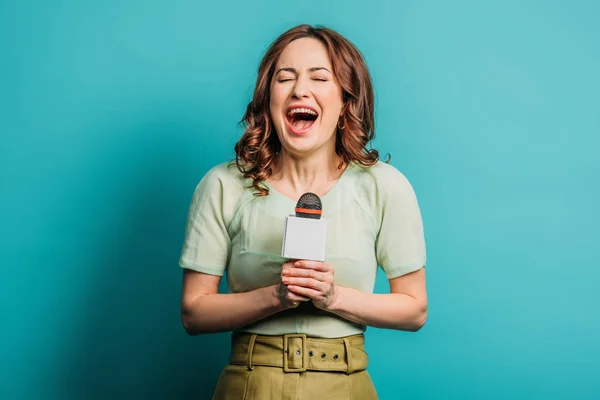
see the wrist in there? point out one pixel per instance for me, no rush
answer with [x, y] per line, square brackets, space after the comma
[338, 299]
[274, 300]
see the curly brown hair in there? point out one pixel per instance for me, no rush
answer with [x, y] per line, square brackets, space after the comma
[259, 145]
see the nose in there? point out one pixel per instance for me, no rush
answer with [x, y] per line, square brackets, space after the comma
[301, 89]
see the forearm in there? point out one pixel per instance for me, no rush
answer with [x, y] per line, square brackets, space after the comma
[225, 312]
[392, 311]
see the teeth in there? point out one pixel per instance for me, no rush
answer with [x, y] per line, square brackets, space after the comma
[302, 110]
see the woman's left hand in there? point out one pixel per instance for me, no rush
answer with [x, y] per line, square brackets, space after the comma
[313, 279]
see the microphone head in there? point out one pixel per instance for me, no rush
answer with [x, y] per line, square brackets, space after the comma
[309, 206]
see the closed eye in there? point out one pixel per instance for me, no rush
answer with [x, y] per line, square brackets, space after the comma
[320, 79]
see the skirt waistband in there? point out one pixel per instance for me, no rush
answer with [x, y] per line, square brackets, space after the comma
[299, 353]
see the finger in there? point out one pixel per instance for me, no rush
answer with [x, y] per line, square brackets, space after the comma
[296, 297]
[316, 265]
[304, 282]
[288, 264]
[305, 273]
[304, 291]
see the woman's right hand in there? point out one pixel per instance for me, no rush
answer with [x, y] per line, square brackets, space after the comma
[287, 298]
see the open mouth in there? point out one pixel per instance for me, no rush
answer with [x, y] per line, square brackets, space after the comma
[301, 119]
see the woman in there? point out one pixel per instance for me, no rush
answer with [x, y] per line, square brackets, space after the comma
[298, 325]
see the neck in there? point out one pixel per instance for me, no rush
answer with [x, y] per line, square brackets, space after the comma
[307, 174]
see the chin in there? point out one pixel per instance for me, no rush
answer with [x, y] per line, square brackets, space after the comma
[299, 148]
[303, 145]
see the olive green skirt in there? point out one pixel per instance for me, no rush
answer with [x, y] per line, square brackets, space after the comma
[295, 367]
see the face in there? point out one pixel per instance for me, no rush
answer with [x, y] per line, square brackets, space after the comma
[306, 99]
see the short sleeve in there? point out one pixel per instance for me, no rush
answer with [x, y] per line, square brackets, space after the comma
[400, 244]
[206, 245]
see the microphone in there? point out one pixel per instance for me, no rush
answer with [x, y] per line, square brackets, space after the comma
[305, 233]
[309, 206]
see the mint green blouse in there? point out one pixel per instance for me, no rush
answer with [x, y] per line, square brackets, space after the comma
[373, 220]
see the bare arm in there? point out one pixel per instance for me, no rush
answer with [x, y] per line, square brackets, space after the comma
[404, 308]
[204, 310]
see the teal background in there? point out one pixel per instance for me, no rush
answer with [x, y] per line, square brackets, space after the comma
[112, 111]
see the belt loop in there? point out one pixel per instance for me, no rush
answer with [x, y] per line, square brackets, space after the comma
[250, 351]
[348, 356]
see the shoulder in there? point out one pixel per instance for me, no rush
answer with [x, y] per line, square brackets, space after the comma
[223, 189]
[225, 180]
[382, 171]
[383, 178]
[226, 174]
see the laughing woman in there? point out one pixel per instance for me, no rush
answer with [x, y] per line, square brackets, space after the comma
[298, 326]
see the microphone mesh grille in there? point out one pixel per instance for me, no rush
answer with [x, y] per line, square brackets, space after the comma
[309, 201]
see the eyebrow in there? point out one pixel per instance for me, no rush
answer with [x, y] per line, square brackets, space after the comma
[293, 70]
